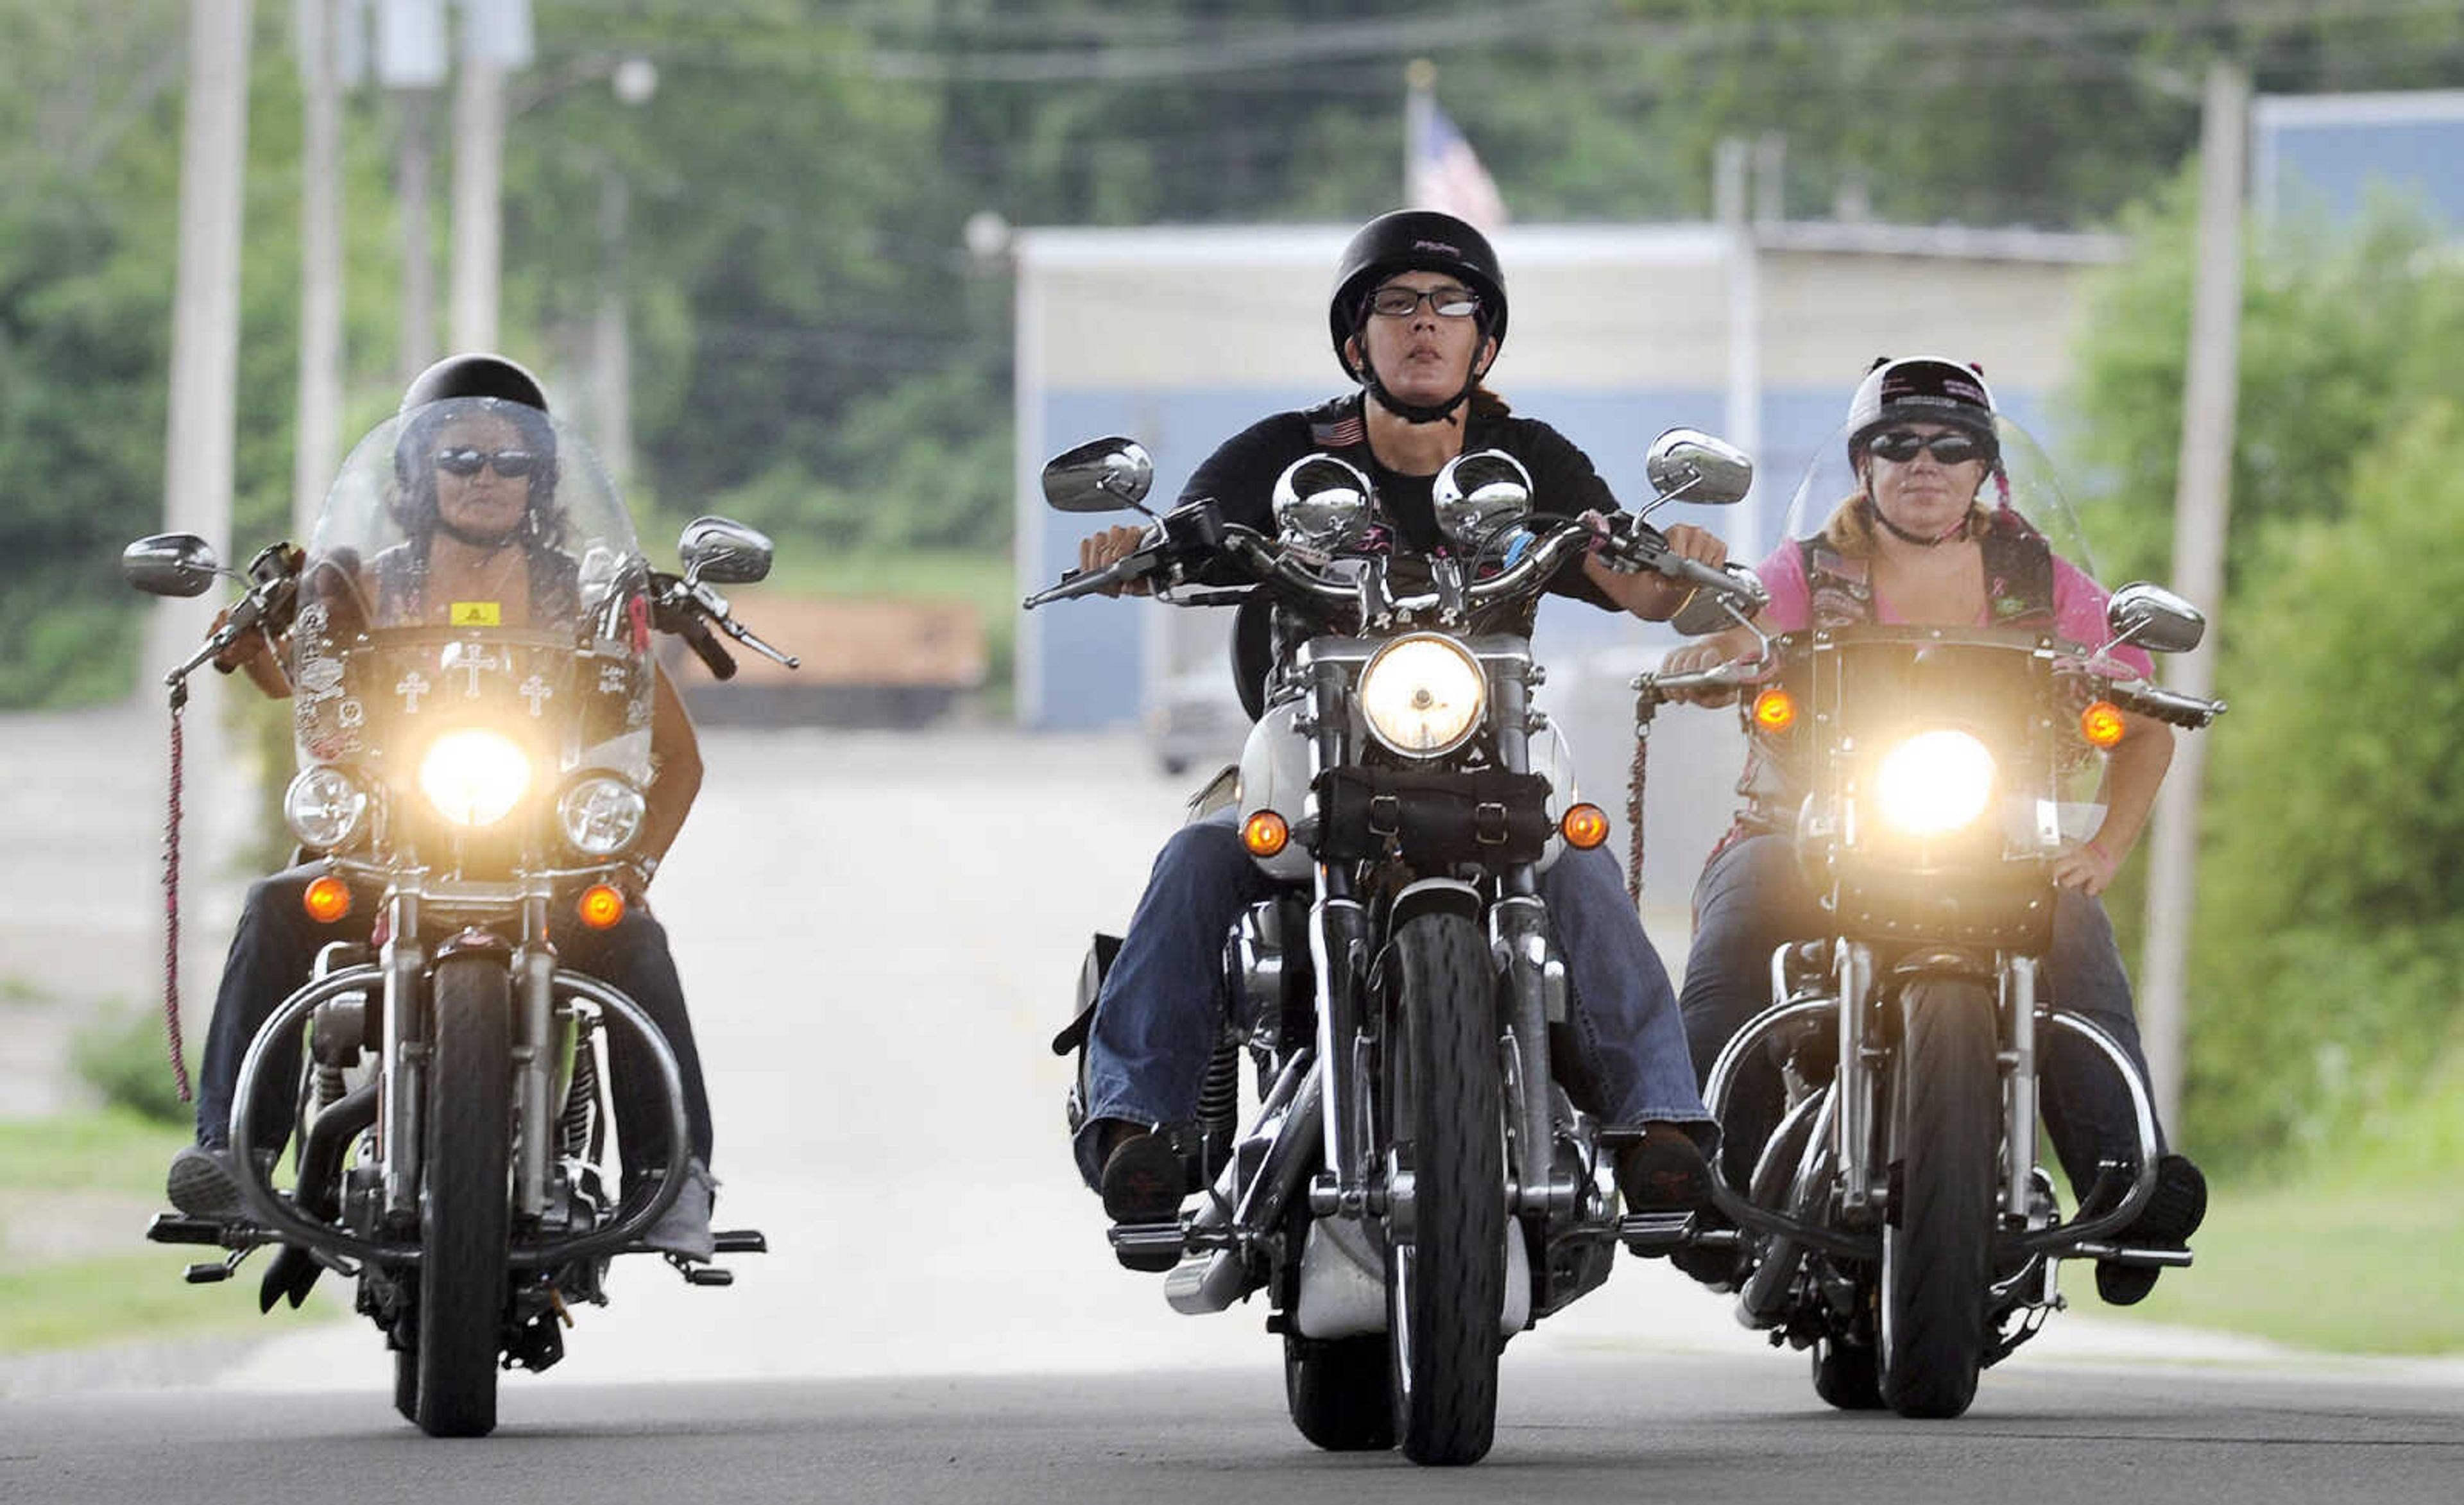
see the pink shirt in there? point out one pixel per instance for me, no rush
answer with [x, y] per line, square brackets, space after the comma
[2079, 603]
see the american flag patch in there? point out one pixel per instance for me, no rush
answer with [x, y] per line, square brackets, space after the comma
[1340, 435]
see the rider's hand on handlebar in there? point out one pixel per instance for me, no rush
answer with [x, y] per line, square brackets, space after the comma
[1104, 550]
[1690, 659]
[2085, 867]
[1648, 594]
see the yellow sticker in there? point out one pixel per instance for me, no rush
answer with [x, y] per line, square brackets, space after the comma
[477, 614]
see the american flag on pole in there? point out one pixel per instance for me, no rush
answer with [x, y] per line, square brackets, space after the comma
[1443, 172]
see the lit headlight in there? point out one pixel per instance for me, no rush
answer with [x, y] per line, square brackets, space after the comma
[600, 815]
[325, 808]
[1934, 783]
[1423, 695]
[474, 777]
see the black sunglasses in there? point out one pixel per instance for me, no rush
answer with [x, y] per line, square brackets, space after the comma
[1951, 447]
[510, 464]
[1395, 301]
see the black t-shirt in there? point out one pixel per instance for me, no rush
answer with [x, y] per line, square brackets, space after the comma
[1240, 477]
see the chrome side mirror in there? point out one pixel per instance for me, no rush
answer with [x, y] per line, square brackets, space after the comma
[2153, 618]
[1324, 504]
[1479, 496]
[1690, 465]
[170, 565]
[1099, 475]
[725, 552]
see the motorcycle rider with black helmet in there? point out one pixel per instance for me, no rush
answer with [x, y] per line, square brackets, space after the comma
[496, 523]
[1417, 316]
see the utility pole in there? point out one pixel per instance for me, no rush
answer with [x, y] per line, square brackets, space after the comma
[478, 199]
[1731, 199]
[410, 59]
[412, 159]
[205, 309]
[2201, 502]
[319, 420]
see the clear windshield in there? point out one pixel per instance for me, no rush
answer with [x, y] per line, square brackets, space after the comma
[1917, 488]
[1923, 493]
[473, 565]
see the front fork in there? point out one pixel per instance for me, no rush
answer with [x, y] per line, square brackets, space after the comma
[402, 1083]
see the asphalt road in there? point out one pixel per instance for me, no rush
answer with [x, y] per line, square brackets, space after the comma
[1674, 1427]
[879, 935]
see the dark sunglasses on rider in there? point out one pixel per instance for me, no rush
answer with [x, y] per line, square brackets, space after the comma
[1951, 447]
[1395, 301]
[510, 464]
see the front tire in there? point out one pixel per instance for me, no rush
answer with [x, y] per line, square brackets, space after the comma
[464, 1209]
[1938, 1246]
[1445, 1281]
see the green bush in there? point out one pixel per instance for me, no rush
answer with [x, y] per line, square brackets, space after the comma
[122, 1055]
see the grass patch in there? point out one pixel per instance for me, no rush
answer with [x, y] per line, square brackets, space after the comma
[77, 1303]
[112, 1150]
[2354, 1251]
[99, 1298]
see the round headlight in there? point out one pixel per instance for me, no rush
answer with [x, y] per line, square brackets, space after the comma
[601, 815]
[474, 777]
[325, 808]
[1934, 783]
[1423, 695]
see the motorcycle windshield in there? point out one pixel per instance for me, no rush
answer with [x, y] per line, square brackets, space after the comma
[473, 568]
[1924, 493]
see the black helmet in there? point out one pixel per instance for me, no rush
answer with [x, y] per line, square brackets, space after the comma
[475, 375]
[1415, 241]
[452, 387]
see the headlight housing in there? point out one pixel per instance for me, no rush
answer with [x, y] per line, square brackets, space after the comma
[601, 815]
[474, 777]
[325, 808]
[1934, 783]
[1423, 695]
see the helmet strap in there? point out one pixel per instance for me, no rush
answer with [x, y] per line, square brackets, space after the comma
[1366, 372]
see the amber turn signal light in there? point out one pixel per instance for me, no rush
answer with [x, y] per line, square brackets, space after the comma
[1774, 710]
[1586, 826]
[328, 898]
[599, 906]
[2100, 724]
[1265, 833]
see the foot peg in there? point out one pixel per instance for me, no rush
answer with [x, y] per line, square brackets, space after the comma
[1148, 1246]
[1654, 1233]
[178, 1228]
[742, 1241]
[209, 1272]
[697, 1273]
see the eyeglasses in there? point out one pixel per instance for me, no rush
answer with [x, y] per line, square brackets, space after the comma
[510, 464]
[1395, 301]
[1951, 447]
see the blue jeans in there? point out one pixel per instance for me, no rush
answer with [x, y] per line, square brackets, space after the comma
[1157, 1017]
[1752, 898]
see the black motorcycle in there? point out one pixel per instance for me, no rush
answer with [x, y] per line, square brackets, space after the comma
[1415, 1185]
[450, 1129]
[1897, 1221]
